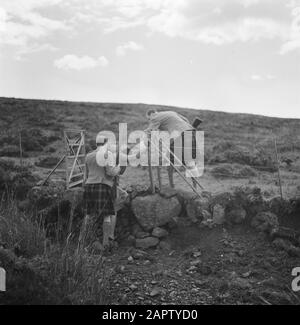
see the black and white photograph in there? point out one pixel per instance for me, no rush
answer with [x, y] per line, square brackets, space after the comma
[149, 155]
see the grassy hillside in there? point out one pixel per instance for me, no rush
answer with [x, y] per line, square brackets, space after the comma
[47, 266]
[232, 141]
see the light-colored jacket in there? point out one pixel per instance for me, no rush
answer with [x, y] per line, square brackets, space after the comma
[98, 174]
[169, 121]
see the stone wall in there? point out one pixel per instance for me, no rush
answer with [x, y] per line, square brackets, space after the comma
[145, 220]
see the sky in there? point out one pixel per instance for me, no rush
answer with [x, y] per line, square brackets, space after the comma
[226, 55]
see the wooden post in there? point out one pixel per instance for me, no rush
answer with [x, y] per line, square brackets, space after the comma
[152, 186]
[278, 169]
[21, 151]
[159, 177]
[66, 160]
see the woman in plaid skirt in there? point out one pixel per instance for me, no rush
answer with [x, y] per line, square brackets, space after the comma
[98, 191]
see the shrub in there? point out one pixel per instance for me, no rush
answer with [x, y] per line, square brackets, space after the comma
[246, 171]
[19, 232]
[48, 162]
[10, 151]
[15, 179]
[224, 171]
[257, 158]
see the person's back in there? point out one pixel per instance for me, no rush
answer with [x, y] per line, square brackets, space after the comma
[96, 174]
[169, 121]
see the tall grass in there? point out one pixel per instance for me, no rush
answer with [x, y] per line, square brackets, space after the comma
[20, 232]
[81, 276]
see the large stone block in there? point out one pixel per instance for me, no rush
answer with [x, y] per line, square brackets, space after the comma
[154, 211]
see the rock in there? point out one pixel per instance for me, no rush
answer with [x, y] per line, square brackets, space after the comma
[155, 211]
[130, 259]
[197, 254]
[196, 262]
[194, 209]
[130, 240]
[286, 233]
[165, 246]
[142, 234]
[167, 192]
[138, 254]
[135, 190]
[194, 205]
[185, 196]
[282, 244]
[155, 292]
[204, 269]
[241, 283]
[206, 215]
[136, 228]
[286, 245]
[133, 287]
[236, 215]
[159, 232]
[97, 247]
[294, 251]
[265, 222]
[148, 242]
[219, 214]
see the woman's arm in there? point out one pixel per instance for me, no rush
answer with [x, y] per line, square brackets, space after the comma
[112, 170]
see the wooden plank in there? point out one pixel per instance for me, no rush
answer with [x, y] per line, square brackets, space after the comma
[278, 169]
[75, 160]
[78, 156]
[159, 177]
[152, 186]
[73, 184]
[66, 160]
[77, 175]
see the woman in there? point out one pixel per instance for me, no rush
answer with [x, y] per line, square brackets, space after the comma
[98, 191]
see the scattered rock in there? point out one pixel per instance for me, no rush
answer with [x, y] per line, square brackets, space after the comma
[159, 232]
[133, 287]
[138, 254]
[196, 262]
[155, 292]
[155, 211]
[197, 254]
[204, 269]
[148, 242]
[130, 259]
[241, 283]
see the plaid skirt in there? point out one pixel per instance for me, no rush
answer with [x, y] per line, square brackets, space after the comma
[99, 200]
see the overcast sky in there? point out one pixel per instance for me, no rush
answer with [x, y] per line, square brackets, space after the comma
[230, 55]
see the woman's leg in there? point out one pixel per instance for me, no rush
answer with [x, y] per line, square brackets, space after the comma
[106, 231]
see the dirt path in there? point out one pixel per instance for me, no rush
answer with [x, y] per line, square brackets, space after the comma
[204, 266]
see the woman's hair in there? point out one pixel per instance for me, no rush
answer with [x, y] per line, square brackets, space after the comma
[101, 144]
[150, 111]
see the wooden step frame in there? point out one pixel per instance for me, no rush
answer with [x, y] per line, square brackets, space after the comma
[75, 157]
